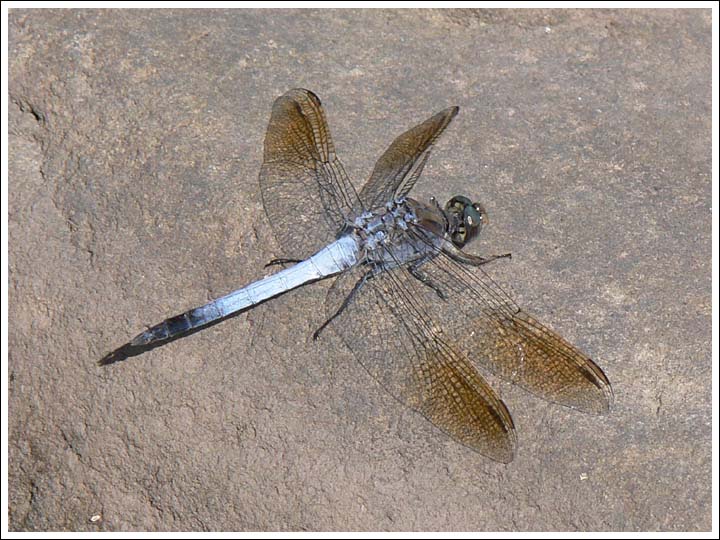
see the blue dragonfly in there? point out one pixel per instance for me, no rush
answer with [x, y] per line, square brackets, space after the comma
[416, 309]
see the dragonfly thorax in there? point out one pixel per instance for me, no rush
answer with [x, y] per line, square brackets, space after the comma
[375, 229]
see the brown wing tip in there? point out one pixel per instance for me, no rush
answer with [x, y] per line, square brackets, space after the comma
[501, 449]
[450, 112]
[446, 115]
[598, 402]
[507, 454]
[597, 396]
[585, 386]
[604, 394]
[309, 93]
[604, 385]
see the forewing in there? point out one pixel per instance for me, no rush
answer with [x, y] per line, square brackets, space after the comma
[388, 327]
[398, 169]
[305, 190]
[487, 326]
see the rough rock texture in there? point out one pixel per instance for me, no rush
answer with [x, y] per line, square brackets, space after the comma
[135, 144]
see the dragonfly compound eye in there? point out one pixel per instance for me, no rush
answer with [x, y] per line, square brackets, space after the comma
[465, 219]
[457, 204]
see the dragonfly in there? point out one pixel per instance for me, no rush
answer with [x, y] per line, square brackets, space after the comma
[418, 311]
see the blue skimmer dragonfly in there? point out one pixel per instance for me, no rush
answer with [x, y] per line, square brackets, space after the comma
[415, 309]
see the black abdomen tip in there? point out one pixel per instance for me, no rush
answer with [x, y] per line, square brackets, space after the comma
[177, 325]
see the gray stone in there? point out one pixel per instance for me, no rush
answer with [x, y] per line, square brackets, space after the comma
[135, 144]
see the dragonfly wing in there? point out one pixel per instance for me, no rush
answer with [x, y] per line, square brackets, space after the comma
[485, 324]
[388, 328]
[305, 190]
[398, 169]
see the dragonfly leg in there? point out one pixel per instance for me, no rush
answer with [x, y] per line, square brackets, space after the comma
[282, 261]
[346, 302]
[423, 278]
[479, 261]
[472, 260]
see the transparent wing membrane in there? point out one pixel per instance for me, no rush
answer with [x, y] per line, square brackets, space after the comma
[390, 330]
[486, 325]
[398, 169]
[306, 193]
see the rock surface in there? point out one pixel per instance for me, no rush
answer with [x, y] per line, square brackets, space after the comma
[135, 144]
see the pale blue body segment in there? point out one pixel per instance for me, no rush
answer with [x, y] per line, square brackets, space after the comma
[332, 259]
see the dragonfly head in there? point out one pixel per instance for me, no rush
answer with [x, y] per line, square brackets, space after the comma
[465, 220]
